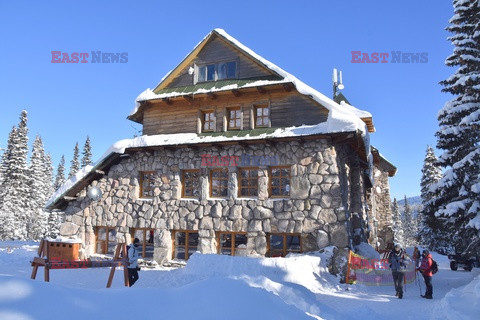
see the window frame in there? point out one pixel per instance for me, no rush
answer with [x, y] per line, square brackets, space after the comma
[221, 179]
[186, 246]
[232, 247]
[184, 195]
[257, 106]
[144, 242]
[241, 187]
[104, 243]
[141, 183]
[285, 250]
[216, 73]
[271, 177]
[212, 122]
[239, 118]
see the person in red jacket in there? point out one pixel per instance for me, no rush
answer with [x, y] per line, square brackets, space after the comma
[426, 270]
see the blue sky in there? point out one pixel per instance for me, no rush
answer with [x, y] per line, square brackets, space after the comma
[67, 102]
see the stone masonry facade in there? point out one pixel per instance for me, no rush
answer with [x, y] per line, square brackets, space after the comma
[326, 192]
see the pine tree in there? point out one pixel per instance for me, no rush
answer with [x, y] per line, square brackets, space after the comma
[55, 219]
[397, 224]
[408, 224]
[458, 134]
[60, 177]
[39, 188]
[87, 153]
[14, 191]
[427, 222]
[49, 186]
[74, 164]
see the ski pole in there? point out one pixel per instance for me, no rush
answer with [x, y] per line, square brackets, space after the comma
[419, 286]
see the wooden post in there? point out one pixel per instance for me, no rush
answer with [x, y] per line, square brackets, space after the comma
[112, 268]
[34, 271]
[347, 278]
[125, 265]
[121, 247]
[41, 247]
[45, 250]
[47, 273]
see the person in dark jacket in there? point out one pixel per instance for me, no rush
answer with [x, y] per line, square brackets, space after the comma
[426, 271]
[133, 255]
[398, 265]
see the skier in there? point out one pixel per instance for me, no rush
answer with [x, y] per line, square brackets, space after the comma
[133, 268]
[426, 271]
[398, 266]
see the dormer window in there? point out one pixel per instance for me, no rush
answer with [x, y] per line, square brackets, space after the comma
[217, 71]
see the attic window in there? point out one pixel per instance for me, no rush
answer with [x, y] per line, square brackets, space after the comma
[217, 71]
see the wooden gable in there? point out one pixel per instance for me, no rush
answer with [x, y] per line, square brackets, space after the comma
[215, 48]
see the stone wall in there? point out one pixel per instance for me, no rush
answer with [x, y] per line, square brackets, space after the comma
[316, 207]
[379, 202]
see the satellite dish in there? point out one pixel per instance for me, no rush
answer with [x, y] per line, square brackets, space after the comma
[94, 193]
[340, 86]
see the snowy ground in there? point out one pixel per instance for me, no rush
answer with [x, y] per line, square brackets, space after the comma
[222, 287]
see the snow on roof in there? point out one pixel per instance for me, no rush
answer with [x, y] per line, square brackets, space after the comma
[337, 125]
[61, 239]
[359, 113]
[67, 185]
[344, 113]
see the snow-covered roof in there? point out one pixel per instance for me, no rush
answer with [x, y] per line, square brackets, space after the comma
[337, 125]
[344, 113]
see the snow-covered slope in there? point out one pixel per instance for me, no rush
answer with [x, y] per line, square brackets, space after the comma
[224, 287]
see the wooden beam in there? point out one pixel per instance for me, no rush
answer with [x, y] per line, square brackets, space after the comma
[67, 198]
[261, 90]
[167, 101]
[287, 87]
[236, 93]
[188, 98]
[211, 95]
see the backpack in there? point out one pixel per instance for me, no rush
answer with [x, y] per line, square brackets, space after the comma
[434, 267]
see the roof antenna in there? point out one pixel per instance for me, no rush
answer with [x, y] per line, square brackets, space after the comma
[337, 82]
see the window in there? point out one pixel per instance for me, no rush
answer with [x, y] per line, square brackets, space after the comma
[208, 121]
[248, 182]
[217, 71]
[234, 118]
[281, 244]
[146, 237]
[191, 183]
[185, 244]
[105, 240]
[147, 184]
[219, 182]
[279, 181]
[262, 116]
[232, 243]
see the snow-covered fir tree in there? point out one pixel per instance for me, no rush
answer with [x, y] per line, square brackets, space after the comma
[48, 176]
[397, 224]
[14, 190]
[55, 219]
[409, 224]
[40, 186]
[74, 164]
[87, 153]
[458, 135]
[431, 174]
[60, 176]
